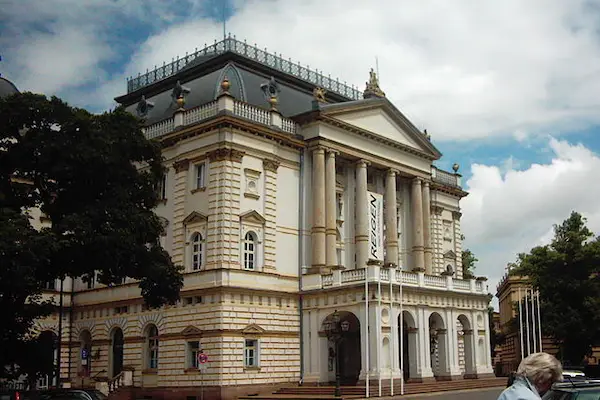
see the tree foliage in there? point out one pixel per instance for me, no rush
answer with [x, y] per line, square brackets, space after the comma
[468, 264]
[94, 177]
[566, 274]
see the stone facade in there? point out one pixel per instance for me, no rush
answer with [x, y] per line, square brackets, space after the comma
[269, 217]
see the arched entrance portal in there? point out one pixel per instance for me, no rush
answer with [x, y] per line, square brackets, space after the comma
[465, 341]
[117, 344]
[408, 351]
[438, 345]
[349, 349]
[85, 350]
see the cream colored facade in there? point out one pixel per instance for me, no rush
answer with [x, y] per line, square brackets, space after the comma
[269, 217]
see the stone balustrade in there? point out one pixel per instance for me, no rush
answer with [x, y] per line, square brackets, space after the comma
[226, 105]
[375, 274]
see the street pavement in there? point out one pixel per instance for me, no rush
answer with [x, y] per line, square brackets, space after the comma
[471, 394]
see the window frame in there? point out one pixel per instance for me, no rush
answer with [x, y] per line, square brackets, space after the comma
[192, 353]
[255, 348]
[152, 347]
[200, 175]
[197, 240]
[250, 239]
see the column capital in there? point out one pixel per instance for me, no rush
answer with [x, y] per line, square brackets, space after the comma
[318, 149]
[417, 181]
[332, 152]
[456, 214]
[437, 210]
[270, 165]
[362, 162]
[392, 172]
[425, 183]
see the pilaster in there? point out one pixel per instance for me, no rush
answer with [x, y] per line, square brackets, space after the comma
[457, 242]
[437, 239]
[270, 238]
[223, 219]
[181, 168]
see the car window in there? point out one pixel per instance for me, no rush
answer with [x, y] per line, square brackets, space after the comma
[97, 395]
[556, 395]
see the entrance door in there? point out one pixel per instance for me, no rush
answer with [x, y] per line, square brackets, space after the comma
[350, 358]
[117, 352]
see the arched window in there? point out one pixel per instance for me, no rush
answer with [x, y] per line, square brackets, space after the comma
[196, 251]
[250, 251]
[152, 347]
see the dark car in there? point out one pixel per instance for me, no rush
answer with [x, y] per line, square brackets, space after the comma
[68, 394]
[574, 390]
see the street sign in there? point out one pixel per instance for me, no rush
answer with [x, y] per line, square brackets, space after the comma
[202, 358]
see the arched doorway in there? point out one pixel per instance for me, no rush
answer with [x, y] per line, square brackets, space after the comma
[438, 345]
[465, 342]
[85, 353]
[408, 351]
[48, 355]
[117, 344]
[349, 349]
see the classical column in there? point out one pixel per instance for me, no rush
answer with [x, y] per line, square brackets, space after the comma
[330, 206]
[361, 236]
[391, 219]
[427, 228]
[417, 212]
[318, 209]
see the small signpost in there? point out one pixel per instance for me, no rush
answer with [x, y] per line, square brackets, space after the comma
[202, 366]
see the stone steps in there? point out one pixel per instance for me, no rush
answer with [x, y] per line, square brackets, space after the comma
[348, 392]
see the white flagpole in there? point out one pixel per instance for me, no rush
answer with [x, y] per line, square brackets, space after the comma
[392, 346]
[527, 323]
[521, 324]
[367, 332]
[533, 321]
[539, 319]
[379, 332]
[401, 335]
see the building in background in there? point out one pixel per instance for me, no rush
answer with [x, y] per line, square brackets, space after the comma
[288, 196]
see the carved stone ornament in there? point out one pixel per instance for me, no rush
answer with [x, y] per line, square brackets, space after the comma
[181, 165]
[225, 154]
[270, 165]
[456, 214]
[319, 94]
[270, 89]
[179, 92]
[437, 210]
[143, 107]
[372, 87]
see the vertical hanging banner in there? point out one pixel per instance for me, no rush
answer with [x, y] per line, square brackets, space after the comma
[375, 226]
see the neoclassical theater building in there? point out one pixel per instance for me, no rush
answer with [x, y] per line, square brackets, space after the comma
[288, 196]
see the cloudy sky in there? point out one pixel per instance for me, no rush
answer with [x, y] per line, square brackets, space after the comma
[508, 89]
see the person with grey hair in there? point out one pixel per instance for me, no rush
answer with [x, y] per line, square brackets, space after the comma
[535, 376]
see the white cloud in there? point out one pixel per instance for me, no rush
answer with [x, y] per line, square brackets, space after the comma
[461, 69]
[512, 211]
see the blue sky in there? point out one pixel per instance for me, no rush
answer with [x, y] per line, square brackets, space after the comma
[510, 90]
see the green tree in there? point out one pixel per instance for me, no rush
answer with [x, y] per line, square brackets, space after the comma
[468, 264]
[94, 176]
[565, 273]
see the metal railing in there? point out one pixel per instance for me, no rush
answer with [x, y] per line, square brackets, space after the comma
[249, 51]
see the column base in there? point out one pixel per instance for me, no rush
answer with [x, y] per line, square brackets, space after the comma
[446, 378]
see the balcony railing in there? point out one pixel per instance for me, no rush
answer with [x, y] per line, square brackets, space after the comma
[206, 111]
[445, 178]
[376, 274]
[252, 52]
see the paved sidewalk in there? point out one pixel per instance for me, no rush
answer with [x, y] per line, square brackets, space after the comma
[468, 394]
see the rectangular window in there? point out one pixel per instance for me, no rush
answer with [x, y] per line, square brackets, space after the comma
[50, 285]
[251, 353]
[200, 175]
[162, 188]
[193, 349]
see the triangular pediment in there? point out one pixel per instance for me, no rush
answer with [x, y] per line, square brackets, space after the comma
[450, 255]
[191, 331]
[382, 119]
[253, 329]
[195, 217]
[252, 216]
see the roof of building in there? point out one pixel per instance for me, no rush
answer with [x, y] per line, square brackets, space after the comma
[7, 88]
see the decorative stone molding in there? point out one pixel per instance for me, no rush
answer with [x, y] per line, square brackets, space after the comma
[450, 255]
[437, 210]
[226, 154]
[251, 177]
[191, 331]
[270, 165]
[252, 216]
[467, 331]
[181, 165]
[41, 326]
[195, 217]
[81, 326]
[456, 214]
[253, 330]
[154, 318]
[116, 323]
